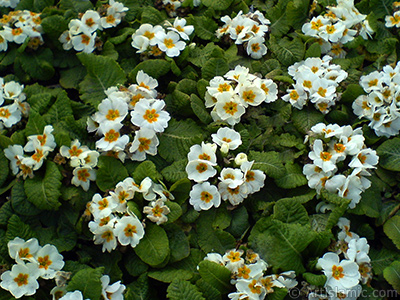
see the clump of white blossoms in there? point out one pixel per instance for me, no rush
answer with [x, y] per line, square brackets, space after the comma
[338, 26]
[114, 221]
[20, 25]
[40, 144]
[248, 30]
[83, 31]
[231, 94]
[248, 274]
[348, 266]
[147, 113]
[234, 184]
[155, 40]
[382, 102]
[12, 103]
[32, 262]
[340, 161]
[316, 81]
[84, 161]
[394, 19]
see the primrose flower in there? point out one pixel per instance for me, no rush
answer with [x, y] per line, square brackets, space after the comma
[129, 231]
[76, 295]
[15, 153]
[342, 274]
[84, 41]
[200, 170]
[323, 159]
[204, 152]
[90, 21]
[21, 280]
[150, 115]
[112, 139]
[145, 84]
[170, 43]
[10, 115]
[233, 259]
[113, 110]
[203, 196]
[157, 212]
[50, 261]
[256, 47]
[180, 27]
[83, 176]
[391, 21]
[145, 141]
[226, 135]
[75, 151]
[21, 250]
[113, 291]
[105, 235]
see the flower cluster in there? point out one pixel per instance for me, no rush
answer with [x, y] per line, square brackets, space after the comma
[108, 291]
[82, 32]
[231, 94]
[146, 113]
[315, 80]
[9, 3]
[18, 26]
[343, 276]
[248, 30]
[32, 262]
[393, 20]
[340, 149]
[235, 184]
[382, 102]
[114, 221]
[338, 26]
[155, 39]
[83, 160]
[248, 274]
[12, 103]
[41, 144]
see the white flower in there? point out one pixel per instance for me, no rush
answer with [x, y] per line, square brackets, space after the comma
[147, 33]
[204, 152]
[256, 47]
[252, 287]
[235, 196]
[200, 170]
[358, 251]
[15, 153]
[145, 84]
[157, 211]
[10, 115]
[229, 108]
[240, 159]
[21, 250]
[229, 136]
[112, 139]
[253, 179]
[84, 41]
[343, 293]
[170, 43]
[203, 196]
[114, 110]
[45, 141]
[231, 177]
[90, 21]
[365, 159]
[129, 231]
[391, 21]
[102, 206]
[325, 160]
[76, 295]
[111, 292]
[82, 177]
[342, 274]
[49, 260]
[215, 257]
[105, 235]
[233, 259]
[180, 28]
[21, 280]
[145, 141]
[250, 94]
[150, 115]
[75, 150]
[297, 97]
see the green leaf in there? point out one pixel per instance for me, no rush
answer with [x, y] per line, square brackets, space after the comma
[88, 282]
[240, 222]
[110, 172]
[392, 230]
[318, 280]
[20, 203]
[381, 8]
[4, 169]
[179, 136]
[200, 109]
[351, 93]
[153, 67]
[306, 118]
[181, 289]
[134, 265]
[181, 189]
[102, 73]
[54, 26]
[44, 191]
[17, 228]
[287, 52]
[392, 274]
[281, 244]
[77, 6]
[204, 27]
[290, 211]
[214, 67]
[175, 211]
[208, 291]
[146, 169]
[216, 275]
[152, 16]
[217, 4]
[292, 178]
[139, 289]
[389, 154]
[382, 258]
[313, 51]
[296, 12]
[268, 162]
[38, 65]
[6, 212]
[199, 56]
[176, 171]
[153, 249]
[169, 274]
[35, 124]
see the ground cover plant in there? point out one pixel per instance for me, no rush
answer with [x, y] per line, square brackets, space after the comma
[199, 149]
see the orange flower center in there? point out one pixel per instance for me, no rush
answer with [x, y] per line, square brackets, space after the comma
[21, 279]
[151, 116]
[130, 230]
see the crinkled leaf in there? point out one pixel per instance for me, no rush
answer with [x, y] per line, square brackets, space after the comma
[139, 289]
[268, 162]
[292, 178]
[176, 171]
[17, 228]
[392, 274]
[214, 67]
[110, 172]
[88, 282]
[199, 109]
[153, 248]
[288, 52]
[169, 274]
[306, 118]
[290, 211]
[102, 73]
[382, 258]
[146, 169]
[181, 289]
[4, 169]
[392, 230]
[389, 154]
[216, 275]
[153, 67]
[44, 191]
[20, 203]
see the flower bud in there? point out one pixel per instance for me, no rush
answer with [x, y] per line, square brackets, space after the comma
[240, 158]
